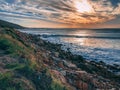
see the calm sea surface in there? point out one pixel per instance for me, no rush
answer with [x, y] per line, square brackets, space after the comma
[97, 45]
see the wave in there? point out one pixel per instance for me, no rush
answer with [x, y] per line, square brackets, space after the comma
[107, 55]
[75, 36]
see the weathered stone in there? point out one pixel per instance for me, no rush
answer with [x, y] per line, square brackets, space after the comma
[60, 64]
[69, 64]
[81, 85]
[63, 73]
[56, 54]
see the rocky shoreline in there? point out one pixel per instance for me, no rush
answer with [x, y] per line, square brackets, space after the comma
[114, 68]
[76, 65]
[35, 64]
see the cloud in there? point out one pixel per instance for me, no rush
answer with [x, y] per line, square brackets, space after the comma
[62, 11]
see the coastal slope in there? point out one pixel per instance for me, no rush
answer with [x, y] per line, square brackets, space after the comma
[10, 25]
[30, 63]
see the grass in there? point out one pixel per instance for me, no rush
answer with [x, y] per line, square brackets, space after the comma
[14, 46]
[7, 82]
[56, 85]
[14, 66]
[11, 43]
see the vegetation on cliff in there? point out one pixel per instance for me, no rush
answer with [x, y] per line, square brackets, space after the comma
[19, 67]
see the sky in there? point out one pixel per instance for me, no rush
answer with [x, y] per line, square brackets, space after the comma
[62, 13]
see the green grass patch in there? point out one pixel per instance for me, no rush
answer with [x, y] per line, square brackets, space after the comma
[7, 82]
[14, 66]
[14, 47]
[55, 85]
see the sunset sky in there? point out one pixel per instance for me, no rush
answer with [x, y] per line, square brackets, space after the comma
[62, 13]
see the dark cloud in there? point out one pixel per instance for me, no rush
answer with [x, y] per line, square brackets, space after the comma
[114, 2]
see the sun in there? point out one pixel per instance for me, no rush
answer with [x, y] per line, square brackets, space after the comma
[83, 6]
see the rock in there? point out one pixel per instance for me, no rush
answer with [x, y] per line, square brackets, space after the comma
[81, 85]
[81, 72]
[56, 59]
[58, 76]
[63, 73]
[56, 54]
[60, 64]
[69, 64]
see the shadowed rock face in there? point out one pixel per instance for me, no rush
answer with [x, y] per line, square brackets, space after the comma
[29, 63]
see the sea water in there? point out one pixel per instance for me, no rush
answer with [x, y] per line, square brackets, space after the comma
[92, 44]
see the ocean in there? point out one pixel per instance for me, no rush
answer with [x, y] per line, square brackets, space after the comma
[93, 44]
